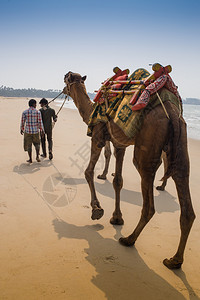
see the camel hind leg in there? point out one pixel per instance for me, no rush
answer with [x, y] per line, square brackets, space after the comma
[146, 162]
[149, 144]
[181, 178]
[117, 184]
[164, 183]
[107, 154]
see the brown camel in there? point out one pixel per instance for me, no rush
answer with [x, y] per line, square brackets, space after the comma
[157, 134]
[85, 112]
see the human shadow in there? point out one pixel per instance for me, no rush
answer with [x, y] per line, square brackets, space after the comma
[164, 201]
[26, 168]
[121, 272]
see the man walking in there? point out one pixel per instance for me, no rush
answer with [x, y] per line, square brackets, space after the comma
[31, 125]
[48, 114]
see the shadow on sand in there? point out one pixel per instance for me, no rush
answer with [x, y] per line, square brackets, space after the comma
[26, 168]
[164, 202]
[121, 272]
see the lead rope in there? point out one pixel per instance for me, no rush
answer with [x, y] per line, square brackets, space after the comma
[67, 97]
[109, 126]
[162, 105]
[55, 98]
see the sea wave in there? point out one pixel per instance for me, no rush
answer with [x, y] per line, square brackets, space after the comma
[191, 114]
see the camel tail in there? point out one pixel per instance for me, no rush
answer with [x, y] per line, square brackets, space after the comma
[174, 141]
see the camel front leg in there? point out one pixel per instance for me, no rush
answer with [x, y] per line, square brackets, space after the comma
[97, 211]
[117, 184]
[107, 154]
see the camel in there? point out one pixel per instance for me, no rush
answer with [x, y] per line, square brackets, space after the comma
[158, 134]
[107, 148]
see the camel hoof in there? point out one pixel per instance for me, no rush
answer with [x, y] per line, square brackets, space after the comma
[97, 213]
[103, 177]
[116, 221]
[160, 188]
[172, 263]
[126, 242]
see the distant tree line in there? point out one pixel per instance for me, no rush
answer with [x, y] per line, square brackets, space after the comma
[32, 93]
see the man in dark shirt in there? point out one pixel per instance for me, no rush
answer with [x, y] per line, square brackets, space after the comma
[48, 114]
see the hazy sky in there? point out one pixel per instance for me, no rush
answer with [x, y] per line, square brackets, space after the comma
[42, 40]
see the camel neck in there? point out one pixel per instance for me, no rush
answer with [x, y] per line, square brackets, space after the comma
[82, 101]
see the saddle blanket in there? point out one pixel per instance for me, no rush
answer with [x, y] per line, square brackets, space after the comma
[122, 112]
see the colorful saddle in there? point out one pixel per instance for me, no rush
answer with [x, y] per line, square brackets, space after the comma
[140, 87]
[128, 99]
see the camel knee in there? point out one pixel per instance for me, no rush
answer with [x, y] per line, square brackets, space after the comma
[107, 153]
[118, 182]
[187, 218]
[88, 175]
[151, 214]
[148, 214]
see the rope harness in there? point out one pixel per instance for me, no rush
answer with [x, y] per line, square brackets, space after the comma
[162, 105]
[67, 97]
[55, 98]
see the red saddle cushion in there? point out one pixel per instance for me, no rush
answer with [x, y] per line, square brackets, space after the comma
[118, 86]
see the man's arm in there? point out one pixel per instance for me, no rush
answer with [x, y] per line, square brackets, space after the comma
[23, 119]
[55, 117]
[40, 123]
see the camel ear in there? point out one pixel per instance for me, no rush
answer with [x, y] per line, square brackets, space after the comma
[84, 78]
[70, 77]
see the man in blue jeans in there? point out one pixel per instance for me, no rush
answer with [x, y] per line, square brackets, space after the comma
[48, 114]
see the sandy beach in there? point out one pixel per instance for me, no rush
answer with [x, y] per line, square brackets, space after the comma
[49, 246]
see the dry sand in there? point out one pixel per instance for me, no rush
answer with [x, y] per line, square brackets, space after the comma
[49, 246]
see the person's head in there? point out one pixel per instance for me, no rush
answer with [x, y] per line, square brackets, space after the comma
[32, 103]
[43, 102]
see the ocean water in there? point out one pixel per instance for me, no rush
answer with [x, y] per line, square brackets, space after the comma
[191, 115]
[68, 104]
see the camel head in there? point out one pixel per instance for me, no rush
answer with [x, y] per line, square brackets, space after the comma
[71, 79]
[75, 88]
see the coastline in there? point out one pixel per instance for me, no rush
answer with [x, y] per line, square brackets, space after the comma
[50, 248]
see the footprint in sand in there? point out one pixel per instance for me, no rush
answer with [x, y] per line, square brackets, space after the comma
[3, 208]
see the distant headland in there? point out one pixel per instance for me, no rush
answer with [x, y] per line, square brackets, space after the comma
[32, 93]
[191, 101]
